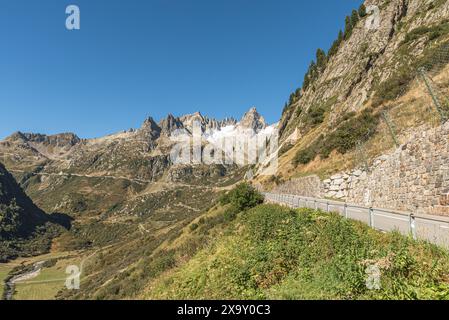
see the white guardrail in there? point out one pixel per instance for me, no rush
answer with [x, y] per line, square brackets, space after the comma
[426, 227]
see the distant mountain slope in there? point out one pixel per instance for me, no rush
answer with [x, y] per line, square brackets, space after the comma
[119, 173]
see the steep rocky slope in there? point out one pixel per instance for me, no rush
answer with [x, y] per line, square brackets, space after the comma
[19, 215]
[351, 77]
[367, 94]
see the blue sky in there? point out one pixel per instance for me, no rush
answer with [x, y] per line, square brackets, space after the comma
[136, 58]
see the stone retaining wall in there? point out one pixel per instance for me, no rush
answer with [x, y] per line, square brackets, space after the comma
[414, 178]
[309, 186]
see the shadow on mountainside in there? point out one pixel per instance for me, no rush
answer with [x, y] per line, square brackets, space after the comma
[25, 229]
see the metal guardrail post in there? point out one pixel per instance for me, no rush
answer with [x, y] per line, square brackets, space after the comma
[371, 217]
[412, 224]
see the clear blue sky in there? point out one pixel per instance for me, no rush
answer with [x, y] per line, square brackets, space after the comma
[136, 58]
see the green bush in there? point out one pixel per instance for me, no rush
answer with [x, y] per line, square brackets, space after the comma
[344, 138]
[193, 227]
[315, 115]
[432, 32]
[244, 196]
[285, 148]
[304, 156]
[393, 87]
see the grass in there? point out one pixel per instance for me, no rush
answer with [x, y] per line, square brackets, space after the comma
[50, 271]
[271, 252]
[47, 284]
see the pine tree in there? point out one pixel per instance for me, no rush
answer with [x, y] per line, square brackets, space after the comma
[362, 11]
[285, 108]
[291, 99]
[321, 59]
[306, 81]
[340, 37]
[354, 18]
[348, 28]
[335, 45]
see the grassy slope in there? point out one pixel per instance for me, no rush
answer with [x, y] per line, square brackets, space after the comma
[276, 253]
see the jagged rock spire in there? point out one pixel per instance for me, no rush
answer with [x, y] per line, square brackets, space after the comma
[170, 124]
[252, 120]
[151, 128]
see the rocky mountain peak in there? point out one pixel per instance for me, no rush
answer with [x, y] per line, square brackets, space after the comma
[57, 140]
[150, 127]
[205, 122]
[252, 120]
[17, 136]
[170, 124]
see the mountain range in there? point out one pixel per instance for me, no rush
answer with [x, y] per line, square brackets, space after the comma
[143, 220]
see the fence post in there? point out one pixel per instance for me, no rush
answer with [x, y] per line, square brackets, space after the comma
[327, 206]
[346, 210]
[316, 204]
[432, 93]
[391, 127]
[371, 217]
[412, 224]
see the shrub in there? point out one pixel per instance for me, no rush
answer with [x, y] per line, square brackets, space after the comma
[230, 214]
[276, 179]
[193, 227]
[304, 156]
[285, 148]
[349, 133]
[315, 115]
[244, 197]
[344, 138]
[393, 87]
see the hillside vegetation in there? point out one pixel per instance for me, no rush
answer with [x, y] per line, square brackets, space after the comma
[272, 252]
